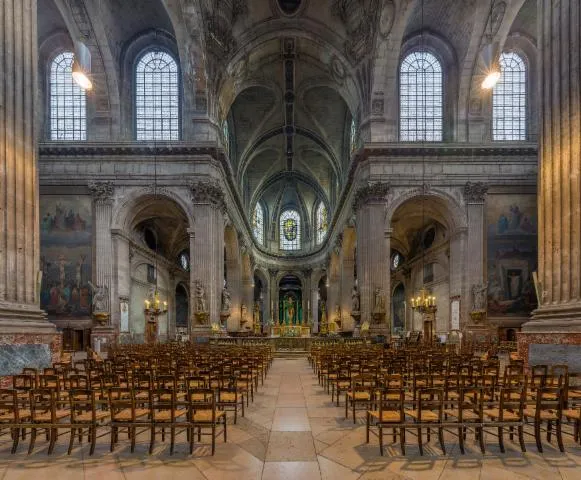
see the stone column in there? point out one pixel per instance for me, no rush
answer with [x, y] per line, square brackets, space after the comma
[370, 203]
[19, 222]
[475, 195]
[559, 188]
[207, 246]
[273, 307]
[102, 193]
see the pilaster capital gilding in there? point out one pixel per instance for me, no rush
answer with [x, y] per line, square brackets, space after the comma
[371, 193]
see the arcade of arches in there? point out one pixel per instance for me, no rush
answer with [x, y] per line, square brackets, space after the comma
[273, 165]
[266, 168]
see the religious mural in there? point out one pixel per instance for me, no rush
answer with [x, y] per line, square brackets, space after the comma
[512, 254]
[66, 256]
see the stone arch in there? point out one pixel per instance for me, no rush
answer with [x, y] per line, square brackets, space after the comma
[124, 209]
[453, 213]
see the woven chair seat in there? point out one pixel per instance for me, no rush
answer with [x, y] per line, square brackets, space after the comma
[426, 415]
[359, 395]
[9, 416]
[466, 414]
[165, 415]
[572, 414]
[508, 416]
[386, 415]
[227, 397]
[205, 416]
[88, 416]
[125, 415]
[46, 417]
[544, 414]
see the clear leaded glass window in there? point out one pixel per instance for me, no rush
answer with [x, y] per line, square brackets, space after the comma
[420, 98]
[509, 99]
[258, 223]
[157, 98]
[68, 111]
[322, 222]
[290, 230]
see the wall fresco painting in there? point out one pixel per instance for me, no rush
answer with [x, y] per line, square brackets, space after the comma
[511, 254]
[66, 256]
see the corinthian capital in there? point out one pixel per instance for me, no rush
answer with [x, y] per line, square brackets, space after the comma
[208, 192]
[475, 192]
[372, 192]
[101, 191]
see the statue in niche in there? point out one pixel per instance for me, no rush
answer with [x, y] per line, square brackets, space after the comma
[479, 297]
[226, 302]
[355, 302]
[256, 313]
[201, 303]
[378, 302]
[100, 298]
[289, 304]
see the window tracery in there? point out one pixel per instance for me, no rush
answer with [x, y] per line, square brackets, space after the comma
[290, 230]
[509, 99]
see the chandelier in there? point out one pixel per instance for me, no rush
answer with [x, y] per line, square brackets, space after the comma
[154, 307]
[423, 302]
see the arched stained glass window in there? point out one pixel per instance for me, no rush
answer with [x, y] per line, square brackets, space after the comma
[290, 230]
[509, 99]
[258, 223]
[68, 108]
[322, 222]
[420, 98]
[157, 97]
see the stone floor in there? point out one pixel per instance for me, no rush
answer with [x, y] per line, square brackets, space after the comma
[292, 431]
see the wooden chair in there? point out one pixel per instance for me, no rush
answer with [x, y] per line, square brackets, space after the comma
[229, 398]
[203, 414]
[86, 413]
[548, 408]
[125, 414]
[390, 413]
[507, 412]
[429, 413]
[467, 410]
[361, 392]
[12, 414]
[46, 412]
[165, 413]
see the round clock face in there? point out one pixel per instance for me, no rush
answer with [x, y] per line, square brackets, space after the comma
[290, 229]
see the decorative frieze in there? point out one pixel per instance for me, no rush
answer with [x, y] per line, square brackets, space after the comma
[373, 192]
[475, 192]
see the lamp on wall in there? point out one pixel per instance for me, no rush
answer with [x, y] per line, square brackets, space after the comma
[82, 66]
[490, 57]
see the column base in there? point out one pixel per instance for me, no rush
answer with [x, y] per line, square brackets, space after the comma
[200, 331]
[550, 348]
[555, 318]
[27, 339]
[379, 329]
[102, 337]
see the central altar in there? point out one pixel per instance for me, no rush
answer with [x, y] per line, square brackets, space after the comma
[291, 331]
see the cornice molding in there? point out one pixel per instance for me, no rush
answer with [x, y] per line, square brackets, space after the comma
[118, 149]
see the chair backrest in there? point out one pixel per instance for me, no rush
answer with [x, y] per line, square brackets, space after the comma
[392, 399]
[23, 382]
[9, 403]
[42, 401]
[431, 399]
[512, 399]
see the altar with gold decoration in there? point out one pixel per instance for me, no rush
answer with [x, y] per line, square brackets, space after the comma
[291, 322]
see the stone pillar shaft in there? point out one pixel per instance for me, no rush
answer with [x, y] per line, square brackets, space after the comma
[19, 224]
[560, 177]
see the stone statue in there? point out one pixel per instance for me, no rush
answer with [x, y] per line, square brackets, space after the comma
[378, 303]
[355, 304]
[100, 298]
[256, 313]
[479, 297]
[225, 300]
[201, 303]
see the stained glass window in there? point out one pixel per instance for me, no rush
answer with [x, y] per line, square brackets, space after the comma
[226, 135]
[420, 97]
[68, 111]
[290, 230]
[509, 99]
[322, 222]
[184, 261]
[353, 136]
[258, 223]
[157, 97]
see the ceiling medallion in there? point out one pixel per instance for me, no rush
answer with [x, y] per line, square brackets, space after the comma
[289, 7]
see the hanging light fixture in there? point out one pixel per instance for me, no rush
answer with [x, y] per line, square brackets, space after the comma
[490, 58]
[153, 306]
[423, 302]
[82, 66]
